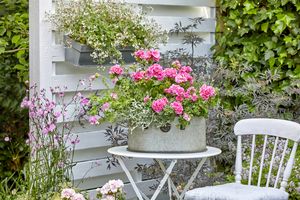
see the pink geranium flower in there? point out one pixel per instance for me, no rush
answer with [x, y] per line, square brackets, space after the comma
[137, 76]
[146, 99]
[170, 72]
[116, 70]
[67, 193]
[177, 106]
[185, 69]
[105, 106]
[159, 104]
[155, 55]
[206, 92]
[186, 117]
[156, 71]
[175, 90]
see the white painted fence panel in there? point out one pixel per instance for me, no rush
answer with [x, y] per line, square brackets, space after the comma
[48, 69]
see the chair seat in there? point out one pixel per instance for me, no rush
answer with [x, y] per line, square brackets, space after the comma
[235, 191]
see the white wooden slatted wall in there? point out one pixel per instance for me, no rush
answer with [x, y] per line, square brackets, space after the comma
[48, 69]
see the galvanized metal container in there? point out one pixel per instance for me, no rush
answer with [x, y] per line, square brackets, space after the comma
[79, 55]
[152, 139]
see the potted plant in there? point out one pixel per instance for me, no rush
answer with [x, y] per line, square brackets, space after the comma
[103, 31]
[164, 107]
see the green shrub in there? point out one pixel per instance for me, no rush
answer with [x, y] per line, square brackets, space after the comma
[13, 73]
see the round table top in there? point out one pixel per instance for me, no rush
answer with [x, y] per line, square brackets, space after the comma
[123, 151]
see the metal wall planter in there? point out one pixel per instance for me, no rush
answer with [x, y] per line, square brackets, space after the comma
[79, 55]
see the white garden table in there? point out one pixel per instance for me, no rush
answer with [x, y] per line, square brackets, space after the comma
[122, 151]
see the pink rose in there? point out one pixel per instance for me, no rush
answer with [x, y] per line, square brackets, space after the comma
[137, 76]
[159, 104]
[206, 92]
[177, 106]
[116, 70]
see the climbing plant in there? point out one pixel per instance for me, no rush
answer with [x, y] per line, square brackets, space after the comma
[258, 56]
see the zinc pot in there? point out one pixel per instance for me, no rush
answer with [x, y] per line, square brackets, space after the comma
[79, 54]
[169, 139]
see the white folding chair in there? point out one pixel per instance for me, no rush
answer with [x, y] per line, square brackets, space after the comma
[284, 130]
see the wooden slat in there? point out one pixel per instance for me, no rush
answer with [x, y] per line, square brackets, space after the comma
[90, 154]
[92, 139]
[97, 168]
[272, 162]
[72, 81]
[281, 163]
[262, 160]
[204, 3]
[251, 160]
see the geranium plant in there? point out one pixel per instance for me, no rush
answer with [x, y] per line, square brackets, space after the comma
[147, 93]
[106, 26]
[112, 190]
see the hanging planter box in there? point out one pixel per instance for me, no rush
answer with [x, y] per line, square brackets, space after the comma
[170, 139]
[79, 55]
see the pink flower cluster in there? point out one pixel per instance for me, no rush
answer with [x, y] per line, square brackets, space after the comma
[159, 104]
[177, 106]
[206, 92]
[116, 70]
[111, 188]
[156, 71]
[70, 194]
[151, 55]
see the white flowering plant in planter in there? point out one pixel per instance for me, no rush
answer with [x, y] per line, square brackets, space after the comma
[107, 26]
[147, 93]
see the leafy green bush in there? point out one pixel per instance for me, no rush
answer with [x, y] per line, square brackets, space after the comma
[13, 73]
[259, 66]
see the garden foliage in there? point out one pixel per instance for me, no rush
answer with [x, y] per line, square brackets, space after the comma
[13, 73]
[259, 66]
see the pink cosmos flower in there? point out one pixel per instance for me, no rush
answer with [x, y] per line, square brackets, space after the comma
[114, 95]
[146, 99]
[137, 76]
[206, 92]
[67, 193]
[155, 55]
[94, 120]
[84, 102]
[170, 72]
[105, 106]
[159, 104]
[186, 117]
[177, 106]
[116, 70]
[156, 71]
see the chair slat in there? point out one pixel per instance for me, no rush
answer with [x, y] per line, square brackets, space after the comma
[272, 160]
[251, 160]
[288, 168]
[262, 160]
[281, 163]
[238, 161]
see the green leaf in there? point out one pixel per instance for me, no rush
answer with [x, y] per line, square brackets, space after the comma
[264, 27]
[15, 39]
[20, 67]
[2, 50]
[2, 31]
[271, 62]
[269, 54]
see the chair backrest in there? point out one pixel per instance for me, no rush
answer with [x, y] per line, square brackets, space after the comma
[282, 130]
